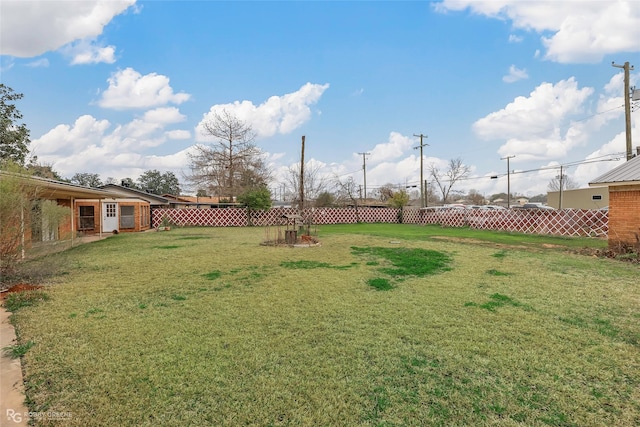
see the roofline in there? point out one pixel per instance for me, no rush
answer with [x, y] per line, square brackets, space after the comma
[66, 187]
[614, 184]
[141, 193]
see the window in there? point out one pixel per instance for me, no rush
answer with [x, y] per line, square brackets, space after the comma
[596, 197]
[127, 217]
[144, 220]
[111, 210]
[87, 218]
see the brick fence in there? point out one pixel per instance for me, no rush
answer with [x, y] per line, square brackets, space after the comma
[566, 222]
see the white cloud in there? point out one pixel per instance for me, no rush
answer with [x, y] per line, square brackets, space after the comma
[593, 167]
[130, 89]
[532, 125]
[403, 170]
[88, 52]
[89, 144]
[164, 115]
[39, 63]
[277, 115]
[581, 31]
[514, 39]
[178, 134]
[515, 74]
[64, 140]
[31, 28]
[394, 148]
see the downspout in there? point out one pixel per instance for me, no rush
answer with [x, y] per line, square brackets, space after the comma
[73, 217]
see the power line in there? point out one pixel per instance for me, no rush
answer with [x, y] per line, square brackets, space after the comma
[348, 173]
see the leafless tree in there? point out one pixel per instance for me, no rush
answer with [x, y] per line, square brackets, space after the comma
[233, 163]
[567, 184]
[348, 193]
[314, 182]
[475, 197]
[386, 192]
[446, 179]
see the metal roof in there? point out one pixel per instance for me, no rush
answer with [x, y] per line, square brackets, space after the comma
[625, 174]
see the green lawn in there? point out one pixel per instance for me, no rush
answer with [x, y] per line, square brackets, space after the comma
[382, 325]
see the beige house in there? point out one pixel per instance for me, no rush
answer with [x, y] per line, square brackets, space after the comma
[596, 197]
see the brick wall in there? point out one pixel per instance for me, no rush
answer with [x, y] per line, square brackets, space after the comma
[64, 229]
[140, 216]
[624, 217]
[96, 215]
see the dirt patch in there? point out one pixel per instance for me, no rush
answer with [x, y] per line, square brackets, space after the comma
[20, 287]
[631, 257]
[551, 246]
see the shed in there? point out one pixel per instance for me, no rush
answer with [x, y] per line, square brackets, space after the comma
[624, 204]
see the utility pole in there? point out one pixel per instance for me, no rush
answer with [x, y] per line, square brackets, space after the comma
[301, 206]
[364, 171]
[508, 180]
[422, 205]
[560, 179]
[627, 104]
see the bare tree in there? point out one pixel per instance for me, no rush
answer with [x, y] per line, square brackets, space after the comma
[475, 197]
[314, 183]
[386, 192]
[233, 164]
[567, 184]
[445, 180]
[348, 193]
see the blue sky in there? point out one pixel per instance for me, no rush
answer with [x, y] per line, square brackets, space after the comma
[120, 87]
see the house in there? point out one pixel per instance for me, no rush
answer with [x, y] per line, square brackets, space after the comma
[112, 215]
[623, 184]
[91, 211]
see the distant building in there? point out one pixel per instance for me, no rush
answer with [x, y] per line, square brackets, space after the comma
[581, 198]
[623, 184]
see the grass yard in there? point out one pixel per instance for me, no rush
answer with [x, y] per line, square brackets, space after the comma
[382, 325]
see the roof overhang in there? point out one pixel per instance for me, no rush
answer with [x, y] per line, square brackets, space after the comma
[613, 184]
[51, 189]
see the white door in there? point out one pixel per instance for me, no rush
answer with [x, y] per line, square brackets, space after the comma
[109, 217]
